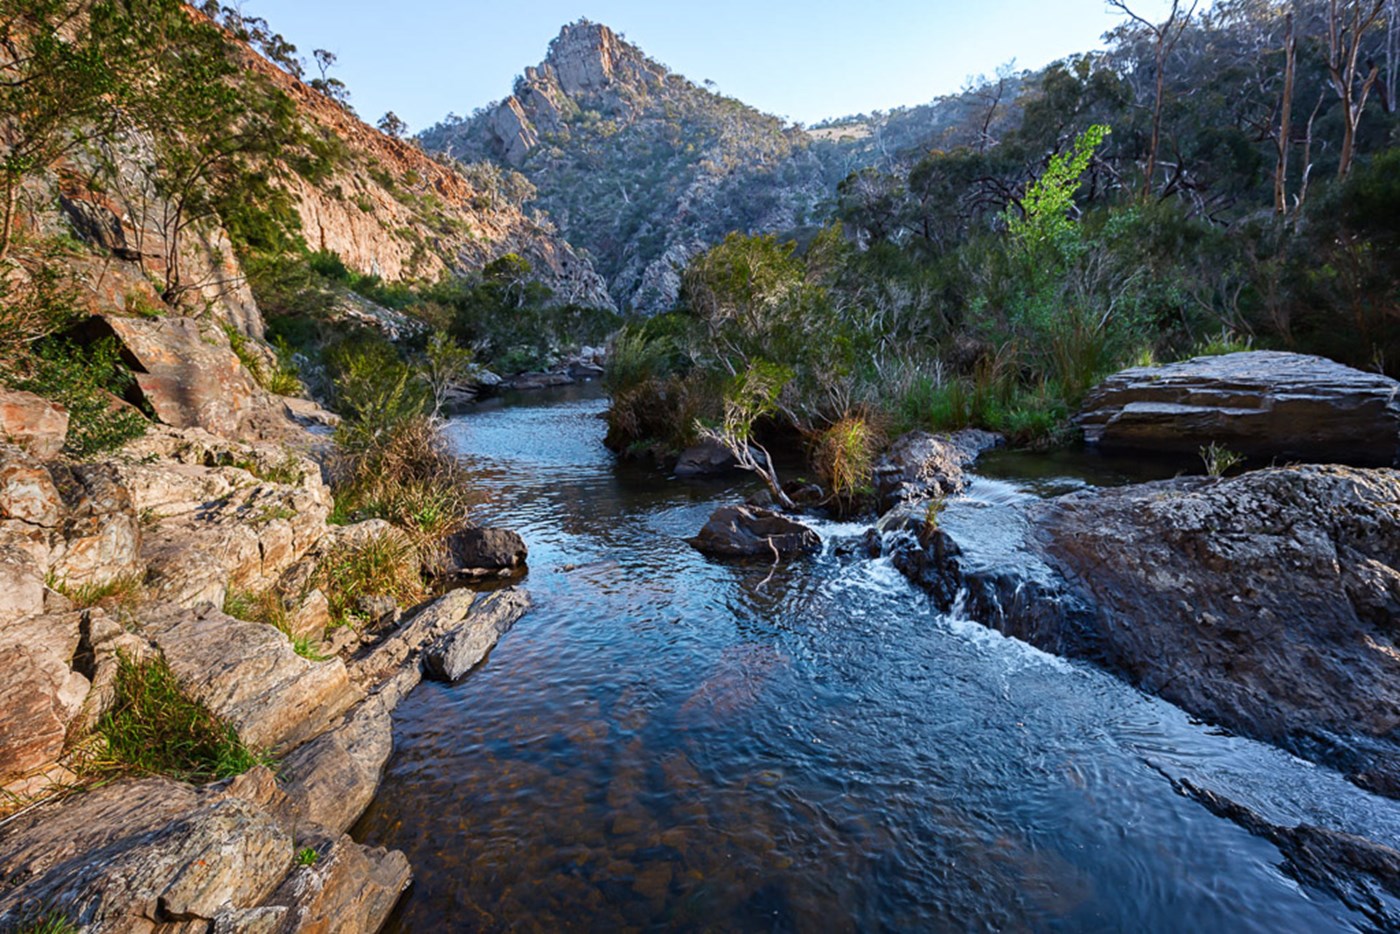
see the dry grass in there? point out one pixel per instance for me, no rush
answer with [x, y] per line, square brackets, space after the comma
[385, 565]
[120, 593]
[844, 456]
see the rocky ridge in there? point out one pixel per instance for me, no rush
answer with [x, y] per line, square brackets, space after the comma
[637, 164]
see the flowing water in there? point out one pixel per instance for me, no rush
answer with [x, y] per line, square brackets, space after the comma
[667, 741]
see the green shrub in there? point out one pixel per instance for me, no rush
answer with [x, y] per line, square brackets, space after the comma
[153, 727]
[84, 380]
[307, 856]
[844, 456]
[385, 565]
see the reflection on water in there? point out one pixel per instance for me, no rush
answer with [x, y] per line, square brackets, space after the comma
[666, 741]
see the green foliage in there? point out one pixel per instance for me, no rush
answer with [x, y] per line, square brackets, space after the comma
[270, 608]
[85, 380]
[154, 728]
[123, 591]
[1044, 227]
[307, 856]
[47, 922]
[1219, 460]
[383, 565]
[844, 456]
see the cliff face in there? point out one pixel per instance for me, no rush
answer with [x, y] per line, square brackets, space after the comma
[637, 164]
[390, 209]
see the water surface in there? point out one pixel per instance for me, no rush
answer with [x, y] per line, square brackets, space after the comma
[667, 741]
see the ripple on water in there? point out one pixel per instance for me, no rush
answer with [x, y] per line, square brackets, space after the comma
[669, 741]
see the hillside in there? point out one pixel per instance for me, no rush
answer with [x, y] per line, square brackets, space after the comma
[389, 209]
[636, 164]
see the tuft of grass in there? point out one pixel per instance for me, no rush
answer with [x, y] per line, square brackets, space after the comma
[153, 727]
[269, 608]
[845, 459]
[1219, 460]
[288, 471]
[1224, 342]
[282, 380]
[384, 565]
[307, 856]
[122, 592]
[409, 478]
[932, 511]
[49, 922]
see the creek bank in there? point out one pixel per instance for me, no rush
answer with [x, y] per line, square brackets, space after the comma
[1265, 603]
[178, 520]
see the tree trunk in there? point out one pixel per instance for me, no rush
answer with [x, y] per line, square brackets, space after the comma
[1285, 131]
[7, 223]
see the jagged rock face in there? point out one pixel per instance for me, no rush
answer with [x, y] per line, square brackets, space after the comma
[1265, 404]
[391, 210]
[672, 167]
[32, 422]
[1266, 603]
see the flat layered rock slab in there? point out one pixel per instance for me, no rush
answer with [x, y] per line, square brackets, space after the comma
[1264, 404]
[248, 675]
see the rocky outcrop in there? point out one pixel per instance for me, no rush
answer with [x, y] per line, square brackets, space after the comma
[753, 532]
[920, 465]
[248, 675]
[154, 854]
[189, 375]
[40, 694]
[1265, 603]
[32, 422]
[479, 551]
[73, 523]
[458, 651]
[597, 101]
[1264, 404]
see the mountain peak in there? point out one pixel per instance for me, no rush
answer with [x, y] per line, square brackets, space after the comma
[588, 57]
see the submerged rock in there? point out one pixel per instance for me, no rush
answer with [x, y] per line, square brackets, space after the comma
[920, 465]
[753, 532]
[1267, 603]
[1263, 404]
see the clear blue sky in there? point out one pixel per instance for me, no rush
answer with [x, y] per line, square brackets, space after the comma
[802, 60]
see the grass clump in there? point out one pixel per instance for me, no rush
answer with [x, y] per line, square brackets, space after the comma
[394, 462]
[382, 565]
[269, 608]
[282, 379]
[154, 728]
[49, 922]
[844, 456]
[307, 856]
[121, 592]
[1220, 460]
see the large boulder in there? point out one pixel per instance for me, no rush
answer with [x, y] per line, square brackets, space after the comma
[332, 779]
[154, 854]
[478, 550]
[1267, 603]
[131, 855]
[75, 522]
[1264, 404]
[459, 650]
[33, 422]
[753, 532]
[190, 375]
[920, 465]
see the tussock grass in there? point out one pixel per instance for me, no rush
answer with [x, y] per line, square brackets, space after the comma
[154, 728]
[844, 456]
[122, 592]
[269, 608]
[384, 565]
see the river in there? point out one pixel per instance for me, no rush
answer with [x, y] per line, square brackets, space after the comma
[670, 742]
